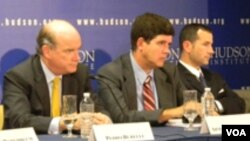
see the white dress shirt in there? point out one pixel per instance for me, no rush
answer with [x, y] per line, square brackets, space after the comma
[54, 125]
[140, 77]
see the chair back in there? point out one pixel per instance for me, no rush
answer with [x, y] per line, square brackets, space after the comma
[245, 94]
[1, 117]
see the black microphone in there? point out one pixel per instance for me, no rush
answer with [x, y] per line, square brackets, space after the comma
[112, 92]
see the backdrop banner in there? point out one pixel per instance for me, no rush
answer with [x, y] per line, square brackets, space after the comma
[105, 29]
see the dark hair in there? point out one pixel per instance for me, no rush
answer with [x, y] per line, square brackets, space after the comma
[189, 32]
[44, 37]
[148, 26]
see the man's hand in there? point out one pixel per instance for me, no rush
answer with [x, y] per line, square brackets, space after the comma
[170, 114]
[97, 118]
[62, 126]
[176, 113]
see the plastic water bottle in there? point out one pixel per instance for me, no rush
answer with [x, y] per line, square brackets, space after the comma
[86, 105]
[208, 103]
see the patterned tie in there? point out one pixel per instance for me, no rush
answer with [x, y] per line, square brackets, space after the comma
[202, 80]
[56, 98]
[149, 101]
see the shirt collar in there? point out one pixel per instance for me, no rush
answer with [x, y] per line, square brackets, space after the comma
[139, 73]
[193, 70]
[48, 74]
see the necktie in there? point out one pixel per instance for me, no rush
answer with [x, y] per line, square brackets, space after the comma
[202, 80]
[149, 101]
[56, 97]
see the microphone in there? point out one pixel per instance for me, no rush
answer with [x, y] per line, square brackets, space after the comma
[112, 92]
[91, 76]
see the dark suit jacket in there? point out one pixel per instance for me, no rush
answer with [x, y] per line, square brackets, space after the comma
[230, 101]
[26, 94]
[118, 91]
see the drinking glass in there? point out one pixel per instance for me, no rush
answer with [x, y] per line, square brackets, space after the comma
[190, 107]
[69, 113]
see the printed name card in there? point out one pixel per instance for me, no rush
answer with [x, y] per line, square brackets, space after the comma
[213, 124]
[20, 134]
[140, 131]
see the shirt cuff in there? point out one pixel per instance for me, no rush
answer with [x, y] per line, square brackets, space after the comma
[219, 106]
[54, 126]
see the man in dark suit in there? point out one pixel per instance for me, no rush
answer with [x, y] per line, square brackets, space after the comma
[28, 86]
[196, 50]
[122, 81]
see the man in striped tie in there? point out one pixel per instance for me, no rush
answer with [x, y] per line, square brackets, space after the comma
[141, 85]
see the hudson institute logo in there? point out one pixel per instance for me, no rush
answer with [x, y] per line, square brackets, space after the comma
[225, 55]
[228, 55]
[88, 58]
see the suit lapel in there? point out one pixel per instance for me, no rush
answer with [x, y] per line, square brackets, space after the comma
[190, 80]
[164, 89]
[130, 85]
[69, 85]
[41, 86]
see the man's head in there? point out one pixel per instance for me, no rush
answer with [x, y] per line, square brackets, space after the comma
[196, 42]
[58, 45]
[151, 37]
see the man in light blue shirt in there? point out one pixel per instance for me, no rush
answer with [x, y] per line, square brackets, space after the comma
[140, 85]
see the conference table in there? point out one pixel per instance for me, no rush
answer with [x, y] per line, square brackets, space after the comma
[166, 133]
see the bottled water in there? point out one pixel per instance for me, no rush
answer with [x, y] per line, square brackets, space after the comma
[87, 107]
[208, 103]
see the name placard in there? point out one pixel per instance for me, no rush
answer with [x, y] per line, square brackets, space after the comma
[20, 134]
[140, 131]
[213, 124]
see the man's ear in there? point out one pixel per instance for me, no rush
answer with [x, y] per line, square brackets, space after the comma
[140, 43]
[46, 51]
[187, 46]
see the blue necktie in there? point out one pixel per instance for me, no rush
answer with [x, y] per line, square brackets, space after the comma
[202, 80]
